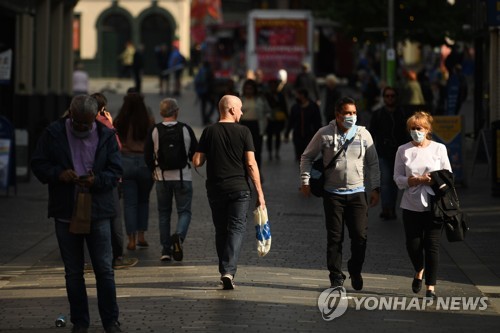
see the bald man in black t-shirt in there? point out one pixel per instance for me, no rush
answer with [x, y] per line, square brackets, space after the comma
[228, 149]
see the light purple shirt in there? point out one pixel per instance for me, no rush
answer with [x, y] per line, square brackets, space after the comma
[82, 149]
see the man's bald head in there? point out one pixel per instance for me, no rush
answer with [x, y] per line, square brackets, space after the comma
[230, 108]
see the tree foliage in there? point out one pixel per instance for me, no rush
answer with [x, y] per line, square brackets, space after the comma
[425, 21]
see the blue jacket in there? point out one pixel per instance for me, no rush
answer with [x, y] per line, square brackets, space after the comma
[52, 156]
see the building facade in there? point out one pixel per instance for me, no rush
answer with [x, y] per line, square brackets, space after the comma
[103, 27]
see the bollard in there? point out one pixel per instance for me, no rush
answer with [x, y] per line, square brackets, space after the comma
[61, 321]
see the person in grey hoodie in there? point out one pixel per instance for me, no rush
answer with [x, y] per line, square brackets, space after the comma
[344, 198]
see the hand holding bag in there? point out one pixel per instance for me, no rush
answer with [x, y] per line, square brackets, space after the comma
[80, 221]
[262, 231]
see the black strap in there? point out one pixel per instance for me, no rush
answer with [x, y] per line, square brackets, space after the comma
[344, 147]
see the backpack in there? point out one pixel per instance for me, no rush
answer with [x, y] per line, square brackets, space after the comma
[171, 154]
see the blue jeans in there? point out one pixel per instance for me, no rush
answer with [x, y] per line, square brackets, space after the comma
[229, 215]
[137, 184]
[388, 188]
[165, 192]
[72, 253]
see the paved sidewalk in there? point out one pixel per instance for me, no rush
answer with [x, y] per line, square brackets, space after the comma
[276, 293]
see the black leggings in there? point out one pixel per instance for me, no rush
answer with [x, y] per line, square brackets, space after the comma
[422, 243]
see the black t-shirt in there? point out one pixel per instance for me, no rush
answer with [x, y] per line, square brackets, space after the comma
[224, 145]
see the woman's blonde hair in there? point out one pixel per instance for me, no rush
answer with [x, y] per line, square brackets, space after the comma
[422, 119]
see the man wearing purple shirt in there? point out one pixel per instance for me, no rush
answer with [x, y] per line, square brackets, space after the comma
[76, 154]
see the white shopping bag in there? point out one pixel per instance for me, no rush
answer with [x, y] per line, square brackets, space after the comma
[262, 231]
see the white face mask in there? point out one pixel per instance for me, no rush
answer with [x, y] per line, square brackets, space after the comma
[349, 121]
[417, 136]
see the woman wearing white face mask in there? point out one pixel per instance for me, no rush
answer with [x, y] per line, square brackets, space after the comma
[413, 164]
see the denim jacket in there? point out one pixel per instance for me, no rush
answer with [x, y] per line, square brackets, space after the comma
[52, 156]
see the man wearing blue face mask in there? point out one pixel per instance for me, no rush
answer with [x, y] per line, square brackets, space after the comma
[76, 155]
[344, 198]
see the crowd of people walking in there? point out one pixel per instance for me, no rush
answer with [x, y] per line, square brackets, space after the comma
[90, 161]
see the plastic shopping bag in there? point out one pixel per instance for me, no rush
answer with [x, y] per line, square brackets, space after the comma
[262, 231]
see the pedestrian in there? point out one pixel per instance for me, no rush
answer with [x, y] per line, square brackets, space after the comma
[162, 56]
[138, 67]
[411, 97]
[119, 261]
[307, 80]
[304, 120]
[344, 199]
[414, 162]
[168, 152]
[228, 149]
[388, 129]
[80, 80]
[127, 60]
[78, 154]
[176, 64]
[204, 82]
[132, 125]
[255, 115]
[332, 95]
[277, 118]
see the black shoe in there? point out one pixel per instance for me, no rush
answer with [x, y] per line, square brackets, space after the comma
[337, 281]
[356, 278]
[356, 281]
[430, 294]
[79, 329]
[416, 285]
[227, 282]
[176, 240]
[113, 328]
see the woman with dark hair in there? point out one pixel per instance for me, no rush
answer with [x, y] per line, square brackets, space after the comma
[132, 125]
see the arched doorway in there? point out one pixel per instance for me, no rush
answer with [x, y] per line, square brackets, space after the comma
[155, 29]
[115, 32]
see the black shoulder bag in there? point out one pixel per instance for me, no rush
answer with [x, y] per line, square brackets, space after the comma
[317, 179]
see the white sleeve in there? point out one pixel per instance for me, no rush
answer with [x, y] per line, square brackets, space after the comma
[400, 176]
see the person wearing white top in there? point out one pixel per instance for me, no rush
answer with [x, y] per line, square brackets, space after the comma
[413, 164]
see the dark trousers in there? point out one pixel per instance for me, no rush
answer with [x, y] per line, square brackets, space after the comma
[422, 243]
[117, 228]
[273, 131]
[229, 215]
[350, 210]
[253, 126]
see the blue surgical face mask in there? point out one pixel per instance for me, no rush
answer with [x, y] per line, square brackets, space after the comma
[349, 121]
[417, 136]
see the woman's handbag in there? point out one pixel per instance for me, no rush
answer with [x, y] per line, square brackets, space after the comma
[456, 228]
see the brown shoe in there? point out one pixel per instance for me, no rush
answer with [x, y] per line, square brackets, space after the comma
[131, 242]
[141, 242]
